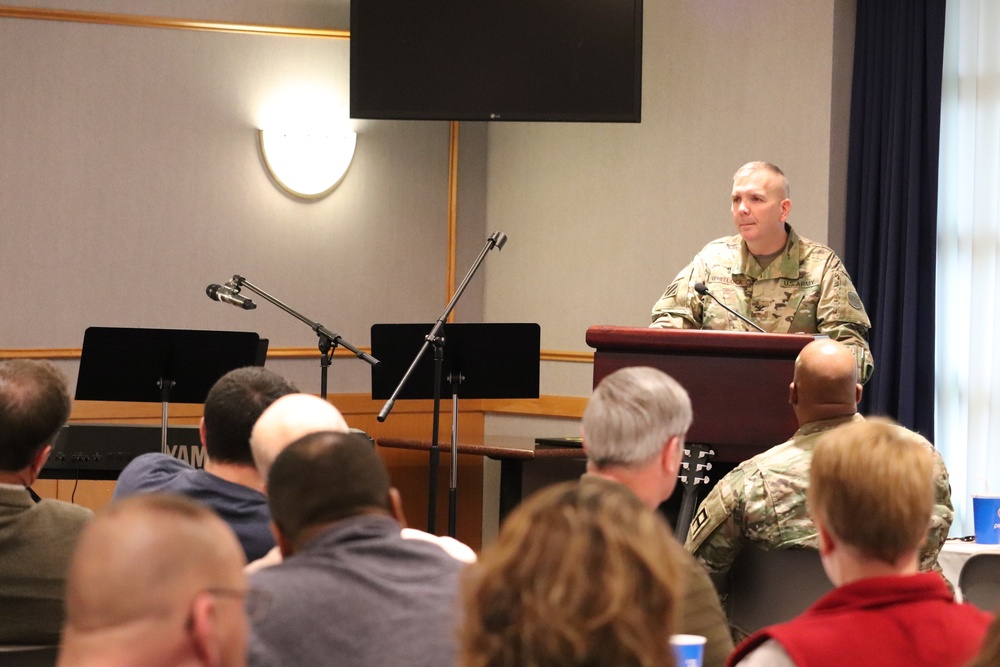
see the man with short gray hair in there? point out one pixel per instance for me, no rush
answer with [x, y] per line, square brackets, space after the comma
[633, 433]
[638, 416]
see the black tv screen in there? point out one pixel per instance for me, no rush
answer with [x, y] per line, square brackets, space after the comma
[516, 60]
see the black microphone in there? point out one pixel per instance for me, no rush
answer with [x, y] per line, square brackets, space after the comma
[702, 290]
[230, 296]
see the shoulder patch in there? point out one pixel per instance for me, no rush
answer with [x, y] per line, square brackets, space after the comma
[671, 291]
[699, 521]
[854, 300]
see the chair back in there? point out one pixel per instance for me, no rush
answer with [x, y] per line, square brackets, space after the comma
[979, 581]
[28, 656]
[768, 587]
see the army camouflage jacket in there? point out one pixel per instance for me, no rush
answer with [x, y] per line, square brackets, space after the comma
[806, 289]
[764, 501]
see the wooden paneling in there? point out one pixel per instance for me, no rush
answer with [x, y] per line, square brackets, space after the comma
[408, 469]
[279, 353]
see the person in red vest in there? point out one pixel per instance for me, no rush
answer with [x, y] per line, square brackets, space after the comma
[871, 493]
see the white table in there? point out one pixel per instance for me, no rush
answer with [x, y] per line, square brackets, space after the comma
[953, 556]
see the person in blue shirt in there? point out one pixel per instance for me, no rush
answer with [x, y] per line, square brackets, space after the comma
[230, 483]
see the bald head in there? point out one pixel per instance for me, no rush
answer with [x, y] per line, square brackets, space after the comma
[156, 580]
[825, 383]
[288, 419]
[146, 557]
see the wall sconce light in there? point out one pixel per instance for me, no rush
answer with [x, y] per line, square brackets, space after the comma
[309, 165]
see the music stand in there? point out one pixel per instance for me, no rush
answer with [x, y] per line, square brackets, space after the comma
[479, 361]
[159, 365]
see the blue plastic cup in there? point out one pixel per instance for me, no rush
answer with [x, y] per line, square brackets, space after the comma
[688, 649]
[986, 514]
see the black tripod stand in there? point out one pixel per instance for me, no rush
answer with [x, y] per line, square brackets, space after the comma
[436, 340]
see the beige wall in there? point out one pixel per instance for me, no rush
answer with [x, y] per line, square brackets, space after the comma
[130, 179]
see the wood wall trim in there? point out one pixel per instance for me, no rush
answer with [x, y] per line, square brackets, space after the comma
[452, 213]
[309, 352]
[568, 407]
[99, 411]
[45, 353]
[138, 21]
[73, 353]
[565, 355]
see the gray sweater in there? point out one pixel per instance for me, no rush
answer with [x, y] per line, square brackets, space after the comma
[359, 595]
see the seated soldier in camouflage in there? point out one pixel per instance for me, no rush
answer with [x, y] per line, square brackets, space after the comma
[763, 501]
[768, 273]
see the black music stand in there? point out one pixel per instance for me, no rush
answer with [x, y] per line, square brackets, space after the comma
[159, 365]
[479, 361]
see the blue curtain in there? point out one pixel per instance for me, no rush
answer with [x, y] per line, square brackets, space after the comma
[891, 227]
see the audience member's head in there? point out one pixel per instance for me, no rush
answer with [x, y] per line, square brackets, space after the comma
[233, 406]
[871, 495]
[288, 419]
[34, 405]
[323, 478]
[825, 384]
[580, 574]
[634, 425]
[156, 580]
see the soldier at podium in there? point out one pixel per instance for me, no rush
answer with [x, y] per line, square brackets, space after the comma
[767, 273]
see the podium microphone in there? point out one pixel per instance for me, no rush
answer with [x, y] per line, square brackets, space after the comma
[702, 290]
[230, 296]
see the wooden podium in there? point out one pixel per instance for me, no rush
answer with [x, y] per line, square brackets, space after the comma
[737, 381]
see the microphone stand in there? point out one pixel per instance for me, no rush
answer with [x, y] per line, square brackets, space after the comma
[328, 341]
[702, 290]
[435, 340]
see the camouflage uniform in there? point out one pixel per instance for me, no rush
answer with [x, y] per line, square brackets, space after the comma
[764, 501]
[806, 289]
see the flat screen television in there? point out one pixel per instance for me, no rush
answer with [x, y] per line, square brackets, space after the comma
[496, 60]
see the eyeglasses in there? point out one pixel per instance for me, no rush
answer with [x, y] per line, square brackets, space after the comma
[255, 601]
